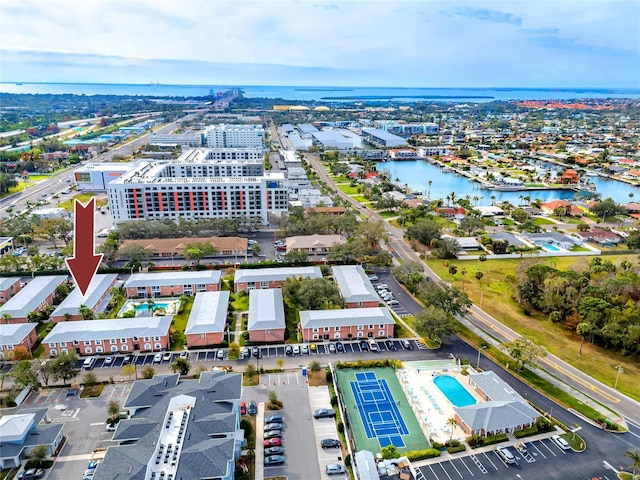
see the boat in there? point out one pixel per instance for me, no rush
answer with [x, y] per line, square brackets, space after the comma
[591, 173]
[447, 169]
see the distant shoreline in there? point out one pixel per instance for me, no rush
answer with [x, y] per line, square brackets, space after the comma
[428, 97]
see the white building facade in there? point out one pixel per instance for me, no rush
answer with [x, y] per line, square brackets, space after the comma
[226, 135]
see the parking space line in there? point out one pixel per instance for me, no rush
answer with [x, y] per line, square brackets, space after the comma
[434, 473]
[466, 466]
[533, 445]
[445, 472]
[454, 467]
[545, 446]
[487, 457]
[478, 464]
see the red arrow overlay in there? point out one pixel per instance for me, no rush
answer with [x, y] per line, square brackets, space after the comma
[84, 263]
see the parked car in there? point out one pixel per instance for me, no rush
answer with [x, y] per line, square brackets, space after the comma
[274, 419]
[393, 302]
[382, 286]
[157, 358]
[93, 464]
[364, 346]
[273, 451]
[255, 351]
[243, 408]
[273, 434]
[108, 360]
[330, 443]
[296, 349]
[561, 442]
[324, 413]
[312, 347]
[288, 350]
[111, 427]
[373, 346]
[273, 460]
[373, 278]
[184, 354]
[336, 469]
[126, 360]
[390, 345]
[220, 354]
[166, 357]
[272, 442]
[406, 345]
[246, 353]
[304, 349]
[339, 346]
[506, 455]
[332, 348]
[272, 426]
[253, 408]
[31, 474]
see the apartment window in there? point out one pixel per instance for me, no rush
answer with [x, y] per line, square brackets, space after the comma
[336, 336]
[370, 327]
[315, 329]
[202, 287]
[360, 327]
[98, 349]
[381, 326]
[336, 329]
[381, 333]
[113, 340]
[62, 350]
[98, 342]
[87, 342]
[124, 348]
[123, 340]
[146, 339]
[88, 350]
[360, 334]
[114, 348]
[9, 347]
[155, 289]
[52, 345]
[147, 346]
[315, 336]
[158, 346]
[63, 344]
[264, 284]
[53, 352]
[326, 329]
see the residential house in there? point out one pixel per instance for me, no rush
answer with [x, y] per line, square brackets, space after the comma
[604, 238]
[346, 324]
[551, 238]
[170, 247]
[355, 287]
[171, 283]
[181, 429]
[17, 335]
[248, 279]
[569, 176]
[34, 297]
[331, 211]
[208, 319]
[22, 432]
[266, 322]
[9, 286]
[94, 298]
[119, 335]
[507, 237]
[465, 243]
[457, 213]
[503, 410]
[567, 208]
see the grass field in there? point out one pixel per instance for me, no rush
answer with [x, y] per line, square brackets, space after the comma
[542, 221]
[21, 186]
[38, 178]
[83, 198]
[359, 198]
[497, 301]
[179, 323]
[348, 189]
[388, 214]
[415, 440]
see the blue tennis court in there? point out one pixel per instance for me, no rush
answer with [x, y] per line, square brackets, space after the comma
[378, 410]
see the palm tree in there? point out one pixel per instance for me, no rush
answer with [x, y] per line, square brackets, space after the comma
[635, 457]
[6, 317]
[150, 304]
[86, 312]
[493, 199]
[452, 423]
[429, 193]
[452, 195]
[67, 316]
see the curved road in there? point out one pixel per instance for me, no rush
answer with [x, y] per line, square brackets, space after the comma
[627, 407]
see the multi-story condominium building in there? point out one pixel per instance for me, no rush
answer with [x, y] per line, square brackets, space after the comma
[94, 298]
[218, 162]
[9, 286]
[225, 135]
[175, 189]
[37, 294]
[165, 284]
[188, 139]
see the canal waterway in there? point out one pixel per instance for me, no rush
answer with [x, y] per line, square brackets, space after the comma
[417, 173]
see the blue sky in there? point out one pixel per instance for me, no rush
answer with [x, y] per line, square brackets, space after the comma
[543, 43]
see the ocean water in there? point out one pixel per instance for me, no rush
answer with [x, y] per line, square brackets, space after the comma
[328, 94]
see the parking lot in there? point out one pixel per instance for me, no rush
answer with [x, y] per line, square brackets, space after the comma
[543, 454]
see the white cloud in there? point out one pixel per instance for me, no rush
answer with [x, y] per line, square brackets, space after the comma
[433, 42]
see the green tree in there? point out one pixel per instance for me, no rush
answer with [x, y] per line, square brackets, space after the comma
[311, 294]
[607, 208]
[424, 231]
[25, 376]
[452, 423]
[524, 351]
[296, 257]
[633, 241]
[86, 312]
[448, 248]
[63, 366]
[7, 182]
[128, 371]
[181, 365]
[450, 299]
[250, 371]
[390, 452]
[148, 372]
[372, 232]
[315, 366]
[90, 379]
[38, 455]
[434, 323]
[470, 224]
[110, 249]
[195, 252]
[135, 253]
[583, 329]
[113, 409]
[234, 350]
[634, 455]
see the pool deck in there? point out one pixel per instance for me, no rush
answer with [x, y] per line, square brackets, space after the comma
[429, 404]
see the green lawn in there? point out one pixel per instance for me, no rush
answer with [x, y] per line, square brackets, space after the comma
[359, 198]
[38, 178]
[542, 221]
[578, 248]
[348, 189]
[240, 301]
[388, 214]
[179, 324]
[497, 301]
[83, 198]
[21, 186]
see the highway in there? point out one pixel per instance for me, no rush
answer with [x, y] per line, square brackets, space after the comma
[627, 407]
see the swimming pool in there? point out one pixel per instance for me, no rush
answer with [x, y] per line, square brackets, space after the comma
[166, 306]
[454, 391]
[551, 248]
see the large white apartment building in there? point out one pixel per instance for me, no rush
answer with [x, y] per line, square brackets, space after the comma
[187, 189]
[187, 139]
[218, 162]
[227, 135]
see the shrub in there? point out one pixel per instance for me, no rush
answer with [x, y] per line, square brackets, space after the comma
[334, 401]
[247, 427]
[476, 441]
[347, 460]
[340, 427]
[329, 376]
[458, 448]
[422, 454]
[526, 432]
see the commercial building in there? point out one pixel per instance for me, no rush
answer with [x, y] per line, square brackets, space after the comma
[208, 318]
[94, 177]
[94, 298]
[170, 284]
[187, 139]
[159, 190]
[314, 244]
[6, 244]
[331, 139]
[346, 324]
[179, 429]
[49, 213]
[381, 138]
[355, 287]
[9, 286]
[227, 135]
[170, 247]
[249, 279]
[146, 334]
[266, 322]
[36, 295]
[17, 335]
[22, 432]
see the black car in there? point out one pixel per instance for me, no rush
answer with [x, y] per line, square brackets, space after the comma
[324, 413]
[253, 408]
[330, 443]
[390, 345]
[255, 352]
[273, 434]
[364, 346]
[339, 346]
[126, 360]
[288, 350]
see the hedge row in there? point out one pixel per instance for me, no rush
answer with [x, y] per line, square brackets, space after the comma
[476, 441]
[422, 454]
[387, 362]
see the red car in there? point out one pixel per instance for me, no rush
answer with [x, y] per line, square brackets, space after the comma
[273, 442]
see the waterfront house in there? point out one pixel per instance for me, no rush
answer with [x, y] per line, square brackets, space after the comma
[456, 213]
[551, 238]
[569, 176]
[146, 334]
[346, 324]
[207, 320]
[251, 278]
[266, 321]
[568, 208]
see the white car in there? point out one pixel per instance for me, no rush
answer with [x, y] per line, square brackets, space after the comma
[157, 358]
[296, 349]
[373, 278]
[304, 349]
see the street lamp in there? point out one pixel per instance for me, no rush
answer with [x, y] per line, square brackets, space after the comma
[478, 362]
[620, 370]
